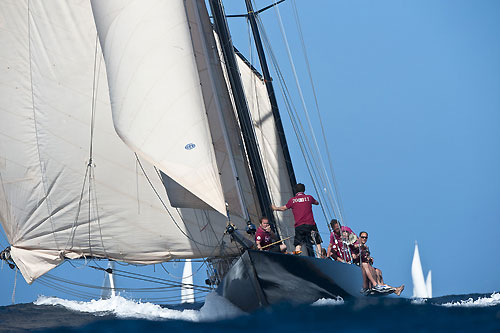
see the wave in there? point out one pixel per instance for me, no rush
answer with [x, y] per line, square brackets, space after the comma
[215, 308]
[328, 302]
[493, 300]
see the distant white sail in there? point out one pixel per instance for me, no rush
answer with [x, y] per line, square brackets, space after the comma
[428, 284]
[187, 291]
[109, 288]
[419, 287]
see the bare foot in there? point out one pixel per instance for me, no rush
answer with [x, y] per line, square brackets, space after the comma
[399, 289]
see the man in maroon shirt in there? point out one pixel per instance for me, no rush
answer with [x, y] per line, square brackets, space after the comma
[337, 249]
[264, 236]
[301, 205]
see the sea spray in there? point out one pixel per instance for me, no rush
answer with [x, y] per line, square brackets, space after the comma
[215, 308]
[493, 300]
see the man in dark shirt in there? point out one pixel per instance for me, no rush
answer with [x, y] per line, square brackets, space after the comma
[301, 205]
[264, 236]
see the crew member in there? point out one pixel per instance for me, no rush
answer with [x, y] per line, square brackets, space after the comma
[264, 237]
[301, 205]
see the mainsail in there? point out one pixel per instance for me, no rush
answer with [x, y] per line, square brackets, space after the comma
[70, 186]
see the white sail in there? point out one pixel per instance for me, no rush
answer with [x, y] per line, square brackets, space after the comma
[109, 288]
[417, 275]
[271, 152]
[55, 202]
[156, 97]
[187, 290]
[226, 135]
[428, 284]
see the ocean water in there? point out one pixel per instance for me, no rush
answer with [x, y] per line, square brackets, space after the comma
[457, 313]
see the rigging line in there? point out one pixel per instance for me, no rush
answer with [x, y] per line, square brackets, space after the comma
[90, 286]
[306, 58]
[91, 143]
[73, 292]
[304, 153]
[182, 219]
[220, 242]
[159, 280]
[299, 87]
[95, 87]
[73, 227]
[297, 133]
[200, 296]
[285, 92]
[165, 206]
[283, 83]
[152, 279]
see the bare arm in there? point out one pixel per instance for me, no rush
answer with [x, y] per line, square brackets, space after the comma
[329, 251]
[280, 208]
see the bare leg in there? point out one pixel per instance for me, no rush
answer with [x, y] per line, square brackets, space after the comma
[378, 274]
[318, 251]
[369, 275]
[365, 280]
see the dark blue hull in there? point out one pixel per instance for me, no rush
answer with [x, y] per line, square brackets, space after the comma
[260, 279]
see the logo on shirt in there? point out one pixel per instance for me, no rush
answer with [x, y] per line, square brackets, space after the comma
[190, 146]
[304, 199]
[258, 237]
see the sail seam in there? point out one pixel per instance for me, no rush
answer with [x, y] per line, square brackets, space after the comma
[43, 179]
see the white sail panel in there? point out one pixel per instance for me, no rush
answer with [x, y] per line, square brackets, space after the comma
[226, 134]
[417, 275]
[271, 152]
[53, 204]
[187, 290]
[155, 91]
[428, 284]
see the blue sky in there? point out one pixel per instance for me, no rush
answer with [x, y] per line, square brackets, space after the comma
[409, 93]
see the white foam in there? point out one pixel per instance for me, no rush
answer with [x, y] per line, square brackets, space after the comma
[215, 308]
[419, 301]
[493, 300]
[329, 301]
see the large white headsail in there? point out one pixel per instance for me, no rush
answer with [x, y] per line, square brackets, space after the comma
[50, 208]
[156, 98]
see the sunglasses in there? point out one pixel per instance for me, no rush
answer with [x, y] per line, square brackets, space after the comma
[363, 237]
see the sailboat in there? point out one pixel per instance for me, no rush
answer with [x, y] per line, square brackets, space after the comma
[421, 288]
[133, 131]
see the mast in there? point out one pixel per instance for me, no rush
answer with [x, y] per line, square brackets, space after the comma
[242, 110]
[270, 91]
